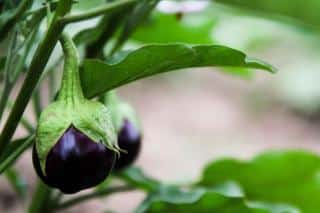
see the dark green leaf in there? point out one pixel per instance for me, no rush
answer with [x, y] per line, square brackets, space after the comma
[163, 28]
[224, 198]
[306, 12]
[98, 76]
[290, 177]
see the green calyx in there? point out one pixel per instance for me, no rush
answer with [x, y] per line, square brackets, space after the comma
[92, 118]
[120, 111]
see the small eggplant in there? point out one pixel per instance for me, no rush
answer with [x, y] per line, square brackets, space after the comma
[76, 143]
[128, 130]
[129, 140]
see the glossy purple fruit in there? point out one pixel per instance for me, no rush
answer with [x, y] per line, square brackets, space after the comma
[129, 139]
[75, 163]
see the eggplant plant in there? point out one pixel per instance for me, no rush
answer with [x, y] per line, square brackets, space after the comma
[89, 138]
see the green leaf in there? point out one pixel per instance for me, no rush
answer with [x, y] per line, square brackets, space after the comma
[224, 198]
[135, 177]
[98, 77]
[290, 177]
[163, 28]
[306, 12]
[13, 151]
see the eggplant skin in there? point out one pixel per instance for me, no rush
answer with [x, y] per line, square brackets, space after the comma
[75, 163]
[129, 140]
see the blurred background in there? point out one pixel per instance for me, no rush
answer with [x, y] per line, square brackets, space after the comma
[190, 118]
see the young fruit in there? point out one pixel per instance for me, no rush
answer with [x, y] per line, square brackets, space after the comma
[70, 163]
[76, 144]
[127, 126]
[129, 140]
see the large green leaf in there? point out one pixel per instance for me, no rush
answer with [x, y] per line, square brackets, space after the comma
[287, 177]
[306, 12]
[98, 76]
[191, 28]
[224, 198]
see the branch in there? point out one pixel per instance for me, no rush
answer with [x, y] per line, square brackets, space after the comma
[10, 23]
[41, 198]
[97, 11]
[34, 73]
[13, 155]
[92, 195]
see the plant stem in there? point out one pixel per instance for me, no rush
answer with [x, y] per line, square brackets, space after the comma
[109, 25]
[138, 14]
[10, 23]
[70, 90]
[6, 162]
[37, 104]
[97, 11]
[41, 57]
[36, 68]
[92, 195]
[52, 5]
[41, 199]
[27, 125]
[7, 84]
[16, 181]
[4, 97]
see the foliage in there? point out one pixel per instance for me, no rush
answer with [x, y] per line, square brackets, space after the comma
[98, 77]
[303, 12]
[123, 41]
[276, 176]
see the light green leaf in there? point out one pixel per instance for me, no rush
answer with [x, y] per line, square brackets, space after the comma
[306, 12]
[163, 28]
[98, 77]
[290, 177]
